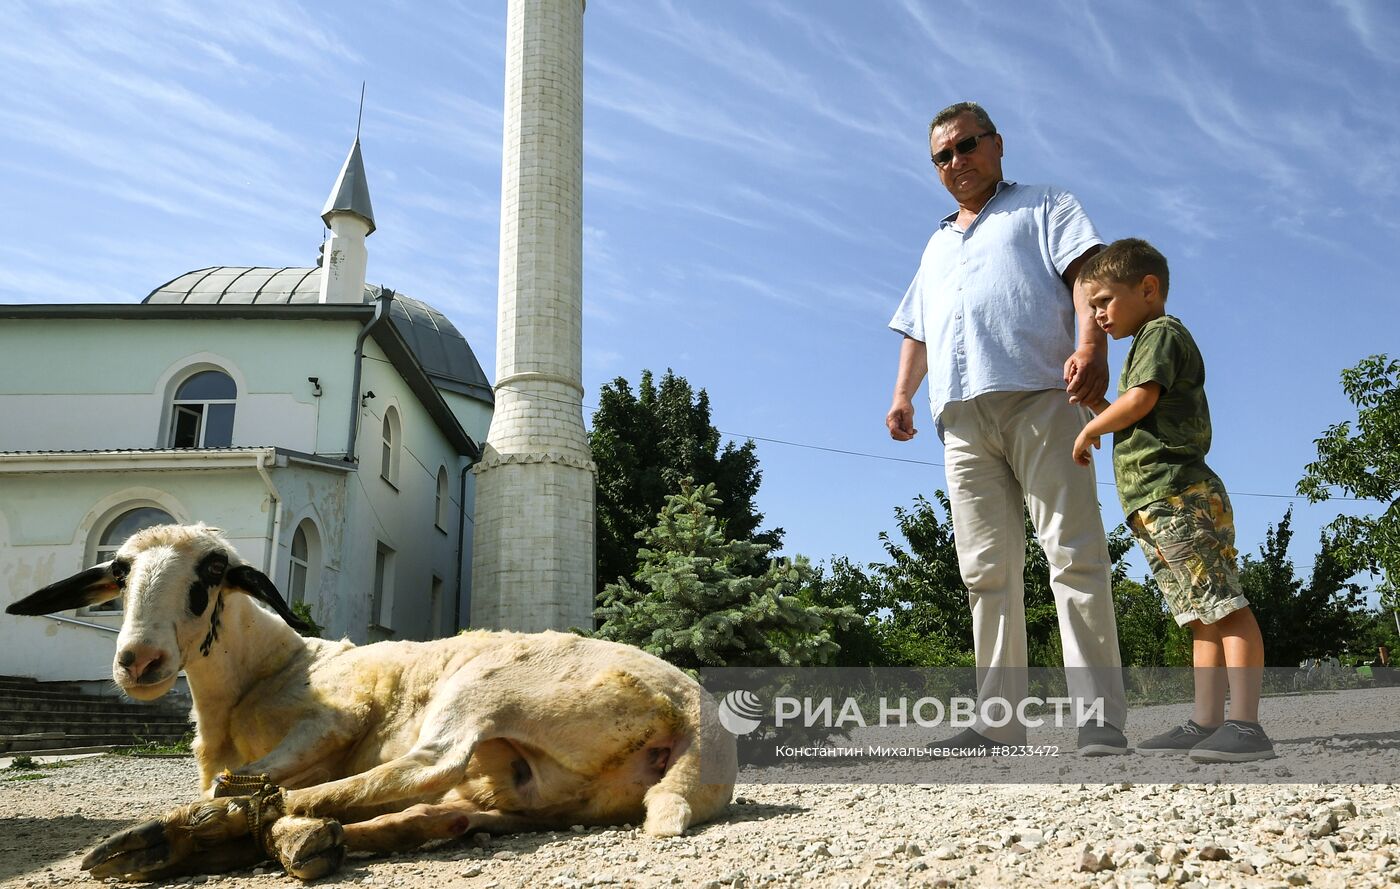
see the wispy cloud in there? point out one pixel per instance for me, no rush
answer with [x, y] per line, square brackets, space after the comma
[840, 44]
[281, 29]
[444, 118]
[751, 64]
[1375, 26]
[689, 117]
[764, 288]
[805, 214]
[1184, 209]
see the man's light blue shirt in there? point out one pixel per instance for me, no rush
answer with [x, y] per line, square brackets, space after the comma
[989, 302]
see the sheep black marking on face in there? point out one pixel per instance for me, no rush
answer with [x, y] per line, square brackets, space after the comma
[209, 575]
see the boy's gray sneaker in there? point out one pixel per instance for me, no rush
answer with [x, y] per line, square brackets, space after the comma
[1235, 741]
[1101, 740]
[1178, 740]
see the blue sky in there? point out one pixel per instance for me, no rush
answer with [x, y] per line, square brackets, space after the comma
[757, 191]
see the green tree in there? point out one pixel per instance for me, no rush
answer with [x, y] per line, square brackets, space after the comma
[862, 640]
[644, 444]
[1317, 618]
[930, 624]
[1148, 635]
[701, 600]
[1377, 629]
[915, 605]
[1364, 462]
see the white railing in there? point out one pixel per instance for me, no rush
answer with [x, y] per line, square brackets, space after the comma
[83, 623]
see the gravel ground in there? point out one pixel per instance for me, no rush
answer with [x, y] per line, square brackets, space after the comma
[1214, 826]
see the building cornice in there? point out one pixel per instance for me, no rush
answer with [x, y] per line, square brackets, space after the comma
[189, 312]
[156, 460]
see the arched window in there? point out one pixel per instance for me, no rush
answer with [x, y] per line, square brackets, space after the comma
[201, 414]
[112, 535]
[304, 564]
[389, 462]
[296, 576]
[443, 499]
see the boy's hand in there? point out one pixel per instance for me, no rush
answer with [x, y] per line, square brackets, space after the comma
[1082, 456]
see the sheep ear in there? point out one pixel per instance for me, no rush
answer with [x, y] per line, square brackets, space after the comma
[256, 584]
[90, 587]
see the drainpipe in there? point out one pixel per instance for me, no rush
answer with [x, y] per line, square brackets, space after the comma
[275, 519]
[461, 548]
[381, 311]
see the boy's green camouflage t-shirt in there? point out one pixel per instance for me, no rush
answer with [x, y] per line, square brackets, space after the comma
[1165, 451]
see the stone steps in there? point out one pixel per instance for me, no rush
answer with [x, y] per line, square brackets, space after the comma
[55, 717]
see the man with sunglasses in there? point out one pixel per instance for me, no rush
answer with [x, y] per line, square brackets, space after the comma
[990, 320]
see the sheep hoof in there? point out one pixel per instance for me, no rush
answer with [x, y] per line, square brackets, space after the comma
[204, 837]
[668, 815]
[136, 851]
[309, 848]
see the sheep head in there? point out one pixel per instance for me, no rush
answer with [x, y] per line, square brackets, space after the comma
[174, 578]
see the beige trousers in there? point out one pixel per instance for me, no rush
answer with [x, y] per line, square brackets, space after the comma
[1004, 449]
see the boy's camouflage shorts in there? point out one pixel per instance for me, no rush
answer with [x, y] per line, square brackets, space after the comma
[1189, 541]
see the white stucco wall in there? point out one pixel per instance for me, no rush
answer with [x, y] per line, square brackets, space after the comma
[49, 520]
[115, 394]
[474, 415]
[319, 496]
[401, 516]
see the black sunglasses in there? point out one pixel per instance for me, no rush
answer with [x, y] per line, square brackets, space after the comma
[966, 146]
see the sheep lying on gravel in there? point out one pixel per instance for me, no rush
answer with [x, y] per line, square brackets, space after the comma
[386, 746]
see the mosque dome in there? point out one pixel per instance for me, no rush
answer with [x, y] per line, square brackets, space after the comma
[439, 348]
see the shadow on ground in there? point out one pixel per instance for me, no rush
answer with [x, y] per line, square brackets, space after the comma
[29, 845]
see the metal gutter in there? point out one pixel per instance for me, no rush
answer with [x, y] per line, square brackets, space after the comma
[381, 306]
[274, 517]
[461, 547]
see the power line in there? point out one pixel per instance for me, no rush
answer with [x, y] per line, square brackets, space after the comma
[869, 456]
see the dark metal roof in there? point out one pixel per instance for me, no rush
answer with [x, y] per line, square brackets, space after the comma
[350, 194]
[437, 345]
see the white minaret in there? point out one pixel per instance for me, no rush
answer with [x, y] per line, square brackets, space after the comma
[351, 219]
[533, 561]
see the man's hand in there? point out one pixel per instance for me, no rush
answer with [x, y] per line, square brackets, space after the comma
[1086, 374]
[1082, 456]
[900, 420]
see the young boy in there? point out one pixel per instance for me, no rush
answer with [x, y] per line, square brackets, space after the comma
[1176, 506]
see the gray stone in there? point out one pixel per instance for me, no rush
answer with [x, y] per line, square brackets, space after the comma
[1323, 826]
[1212, 852]
[1092, 862]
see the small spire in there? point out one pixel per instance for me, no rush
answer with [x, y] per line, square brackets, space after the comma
[351, 191]
[361, 116]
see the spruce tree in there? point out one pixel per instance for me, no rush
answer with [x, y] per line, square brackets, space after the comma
[701, 600]
[644, 444]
